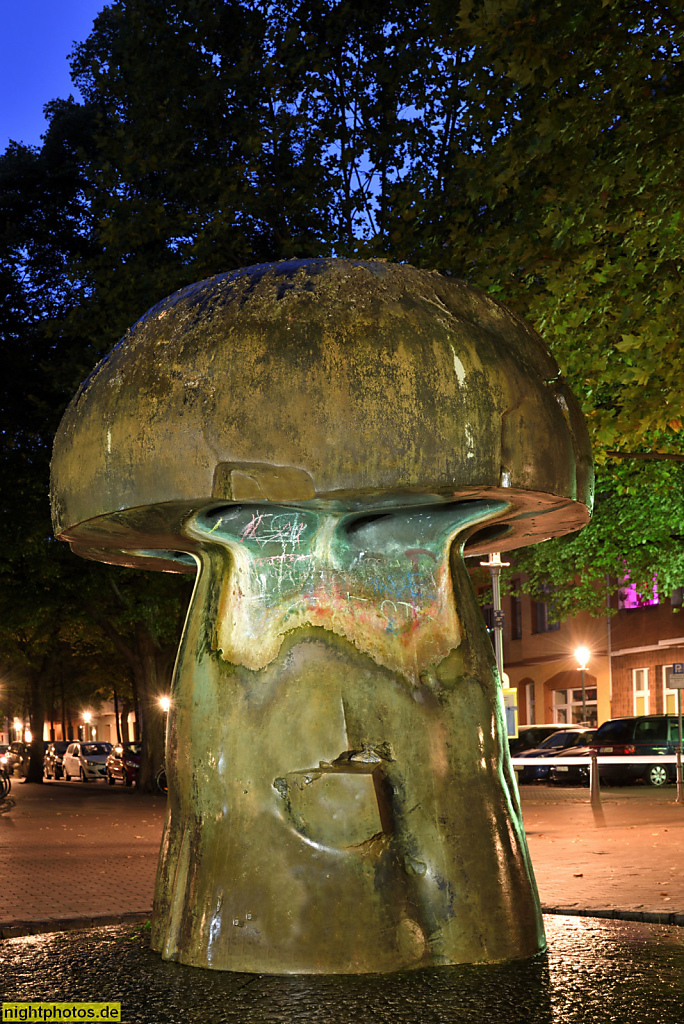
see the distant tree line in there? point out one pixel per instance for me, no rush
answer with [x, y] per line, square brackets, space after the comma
[532, 147]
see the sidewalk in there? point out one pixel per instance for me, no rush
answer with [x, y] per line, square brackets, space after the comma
[626, 864]
[72, 855]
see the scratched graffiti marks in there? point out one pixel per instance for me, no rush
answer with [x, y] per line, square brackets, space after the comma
[284, 529]
[281, 561]
[283, 566]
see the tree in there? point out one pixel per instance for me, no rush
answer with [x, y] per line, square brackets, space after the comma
[574, 209]
[53, 607]
[533, 148]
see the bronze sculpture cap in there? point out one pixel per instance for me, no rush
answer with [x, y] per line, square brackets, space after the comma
[332, 383]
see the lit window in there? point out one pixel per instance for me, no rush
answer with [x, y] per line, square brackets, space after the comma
[640, 690]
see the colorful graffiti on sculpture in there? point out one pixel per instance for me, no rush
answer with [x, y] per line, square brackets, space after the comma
[380, 580]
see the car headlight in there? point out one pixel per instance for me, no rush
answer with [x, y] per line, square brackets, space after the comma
[92, 764]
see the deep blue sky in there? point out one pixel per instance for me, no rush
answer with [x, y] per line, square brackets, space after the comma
[36, 38]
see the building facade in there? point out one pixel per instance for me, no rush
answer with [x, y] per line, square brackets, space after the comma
[629, 670]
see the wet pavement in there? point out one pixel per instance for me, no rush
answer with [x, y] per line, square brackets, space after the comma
[595, 972]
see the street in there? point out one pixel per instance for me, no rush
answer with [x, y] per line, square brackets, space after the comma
[74, 852]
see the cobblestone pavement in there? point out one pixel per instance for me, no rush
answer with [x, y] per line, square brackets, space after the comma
[74, 853]
[71, 850]
[629, 858]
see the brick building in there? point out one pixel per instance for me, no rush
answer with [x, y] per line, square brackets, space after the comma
[631, 657]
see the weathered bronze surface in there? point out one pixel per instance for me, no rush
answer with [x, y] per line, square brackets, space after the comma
[321, 439]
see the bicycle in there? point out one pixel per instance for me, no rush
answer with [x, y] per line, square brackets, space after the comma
[5, 783]
[160, 779]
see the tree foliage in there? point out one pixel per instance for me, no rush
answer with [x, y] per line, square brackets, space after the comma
[531, 147]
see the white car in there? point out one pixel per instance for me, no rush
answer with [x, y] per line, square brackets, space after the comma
[85, 760]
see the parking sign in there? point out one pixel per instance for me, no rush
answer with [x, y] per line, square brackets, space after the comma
[676, 680]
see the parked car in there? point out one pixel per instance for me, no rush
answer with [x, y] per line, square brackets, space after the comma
[572, 775]
[124, 763]
[552, 746]
[16, 758]
[638, 736]
[86, 760]
[53, 767]
[530, 736]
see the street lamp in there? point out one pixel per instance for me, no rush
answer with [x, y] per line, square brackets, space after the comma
[87, 717]
[165, 704]
[583, 654]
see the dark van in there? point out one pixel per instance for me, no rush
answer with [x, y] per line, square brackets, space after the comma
[638, 736]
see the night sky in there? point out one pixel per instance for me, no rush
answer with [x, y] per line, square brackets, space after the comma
[36, 37]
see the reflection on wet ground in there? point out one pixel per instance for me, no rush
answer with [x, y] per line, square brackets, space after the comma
[595, 972]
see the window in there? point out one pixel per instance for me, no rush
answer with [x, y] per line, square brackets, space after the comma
[640, 690]
[673, 735]
[488, 615]
[542, 619]
[617, 731]
[652, 732]
[529, 702]
[486, 609]
[516, 616]
[568, 708]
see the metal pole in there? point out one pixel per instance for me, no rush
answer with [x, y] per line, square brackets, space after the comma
[680, 788]
[594, 785]
[495, 566]
[584, 700]
[496, 601]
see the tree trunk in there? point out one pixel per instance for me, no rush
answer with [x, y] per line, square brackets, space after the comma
[52, 711]
[126, 708]
[151, 667]
[116, 717]
[139, 720]
[37, 719]
[152, 681]
[64, 723]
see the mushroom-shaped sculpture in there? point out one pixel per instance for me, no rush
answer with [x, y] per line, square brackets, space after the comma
[321, 440]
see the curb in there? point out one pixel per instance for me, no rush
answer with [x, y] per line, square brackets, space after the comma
[18, 929]
[643, 916]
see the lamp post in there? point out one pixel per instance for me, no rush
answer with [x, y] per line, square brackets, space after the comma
[165, 704]
[87, 718]
[583, 654]
[495, 565]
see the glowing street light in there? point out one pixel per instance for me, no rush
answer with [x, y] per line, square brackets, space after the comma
[165, 704]
[583, 654]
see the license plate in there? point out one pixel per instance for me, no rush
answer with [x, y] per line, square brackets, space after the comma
[605, 750]
[562, 768]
